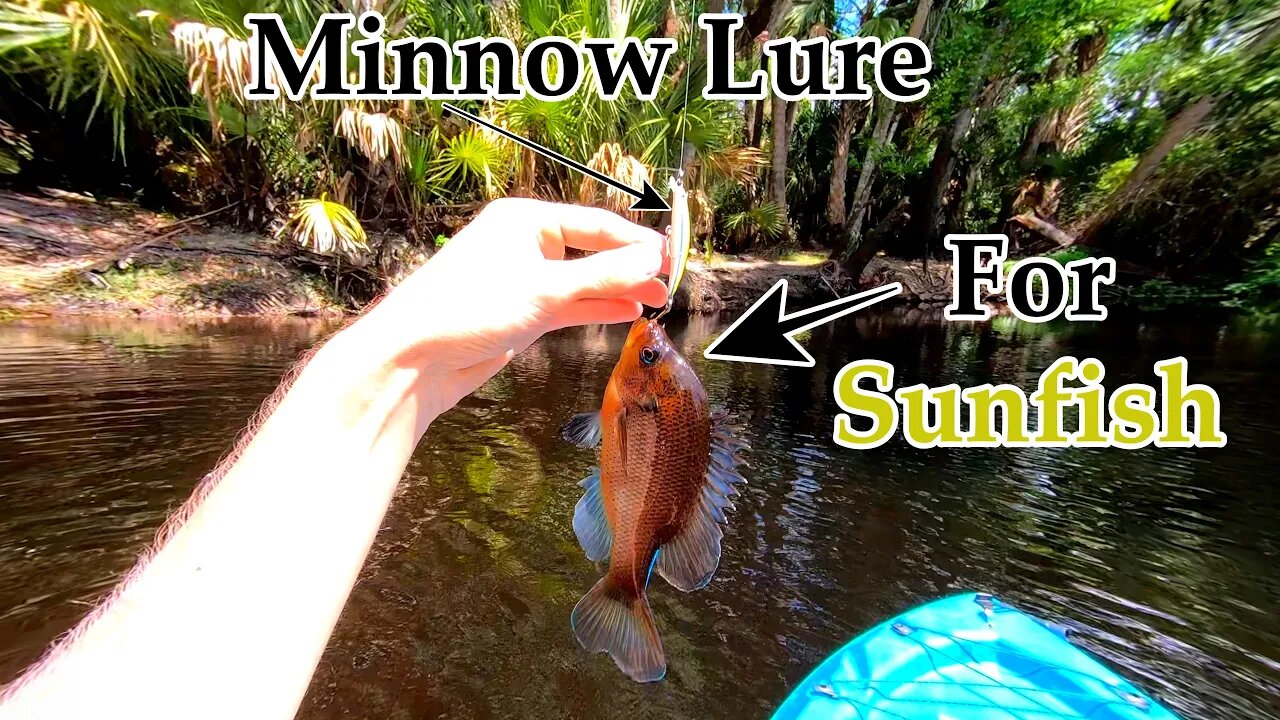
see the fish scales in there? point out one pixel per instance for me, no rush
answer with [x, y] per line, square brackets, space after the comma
[653, 470]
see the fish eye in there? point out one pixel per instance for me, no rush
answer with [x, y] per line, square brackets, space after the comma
[648, 355]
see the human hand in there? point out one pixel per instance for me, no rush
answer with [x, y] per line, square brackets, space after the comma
[502, 282]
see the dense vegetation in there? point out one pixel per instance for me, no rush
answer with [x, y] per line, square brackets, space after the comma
[1145, 129]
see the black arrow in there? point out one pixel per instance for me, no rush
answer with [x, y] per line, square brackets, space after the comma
[648, 198]
[764, 333]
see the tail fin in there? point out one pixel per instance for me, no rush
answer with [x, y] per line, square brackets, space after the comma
[608, 619]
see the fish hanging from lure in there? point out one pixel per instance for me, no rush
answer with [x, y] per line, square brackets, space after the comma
[668, 468]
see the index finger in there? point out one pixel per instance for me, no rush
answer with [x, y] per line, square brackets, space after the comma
[591, 228]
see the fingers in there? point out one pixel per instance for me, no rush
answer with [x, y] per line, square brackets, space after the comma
[589, 228]
[606, 274]
[592, 311]
[560, 225]
[652, 292]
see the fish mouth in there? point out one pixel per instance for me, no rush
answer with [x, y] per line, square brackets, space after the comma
[655, 314]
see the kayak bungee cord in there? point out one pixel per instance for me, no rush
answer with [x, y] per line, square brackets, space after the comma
[935, 650]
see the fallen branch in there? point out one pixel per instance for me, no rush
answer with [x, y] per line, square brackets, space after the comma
[1031, 221]
[170, 230]
[170, 227]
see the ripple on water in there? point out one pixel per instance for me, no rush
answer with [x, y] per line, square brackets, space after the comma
[1161, 562]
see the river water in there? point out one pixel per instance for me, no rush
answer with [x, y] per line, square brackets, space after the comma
[1165, 563]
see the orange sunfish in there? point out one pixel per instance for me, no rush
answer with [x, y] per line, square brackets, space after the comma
[667, 471]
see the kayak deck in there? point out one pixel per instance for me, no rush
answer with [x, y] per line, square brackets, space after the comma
[967, 657]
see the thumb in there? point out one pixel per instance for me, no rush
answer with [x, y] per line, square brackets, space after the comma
[606, 274]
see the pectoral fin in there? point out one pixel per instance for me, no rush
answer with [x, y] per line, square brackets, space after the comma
[590, 523]
[583, 430]
[689, 560]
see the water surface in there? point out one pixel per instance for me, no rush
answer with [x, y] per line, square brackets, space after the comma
[1163, 562]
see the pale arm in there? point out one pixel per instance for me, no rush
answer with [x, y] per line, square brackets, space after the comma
[231, 615]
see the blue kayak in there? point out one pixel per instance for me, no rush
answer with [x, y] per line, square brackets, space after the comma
[968, 657]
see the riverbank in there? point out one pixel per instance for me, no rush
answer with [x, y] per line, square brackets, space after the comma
[65, 253]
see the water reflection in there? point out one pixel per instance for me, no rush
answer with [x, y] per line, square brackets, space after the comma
[1162, 561]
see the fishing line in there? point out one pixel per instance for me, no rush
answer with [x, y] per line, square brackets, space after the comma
[688, 77]
[678, 232]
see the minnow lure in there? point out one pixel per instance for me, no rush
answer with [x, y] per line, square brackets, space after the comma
[679, 238]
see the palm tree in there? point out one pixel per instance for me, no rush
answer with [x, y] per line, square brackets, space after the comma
[886, 123]
[851, 113]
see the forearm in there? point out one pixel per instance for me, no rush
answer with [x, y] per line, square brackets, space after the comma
[230, 616]
[243, 596]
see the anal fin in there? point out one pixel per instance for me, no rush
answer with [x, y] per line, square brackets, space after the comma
[688, 560]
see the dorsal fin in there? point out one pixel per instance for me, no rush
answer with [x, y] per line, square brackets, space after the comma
[689, 560]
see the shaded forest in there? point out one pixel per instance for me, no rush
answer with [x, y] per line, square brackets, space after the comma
[1148, 130]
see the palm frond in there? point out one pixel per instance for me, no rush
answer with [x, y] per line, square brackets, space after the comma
[27, 26]
[470, 157]
[376, 135]
[738, 164]
[327, 227]
[613, 161]
[768, 219]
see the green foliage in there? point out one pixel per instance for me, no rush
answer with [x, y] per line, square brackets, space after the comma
[766, 220]
[14, 148]
[1071, 254]
[1259, 290]
[1109, 180]
[471, 159]
[132, 283]
[103, 55]
[1162, 294]
[1064, 99]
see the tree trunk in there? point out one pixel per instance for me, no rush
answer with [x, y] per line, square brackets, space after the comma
[850, 112]
[778, 153]
[1059, 130]
[1069, 125]
[856, 262]
[945, 156]
[1187, 120]
[780, 129]
[1045, 228]
[757, 123]
[764, 16]
[1183, 123]
[879, 136]
[921, 17]
[617, 19]
[941, 169]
